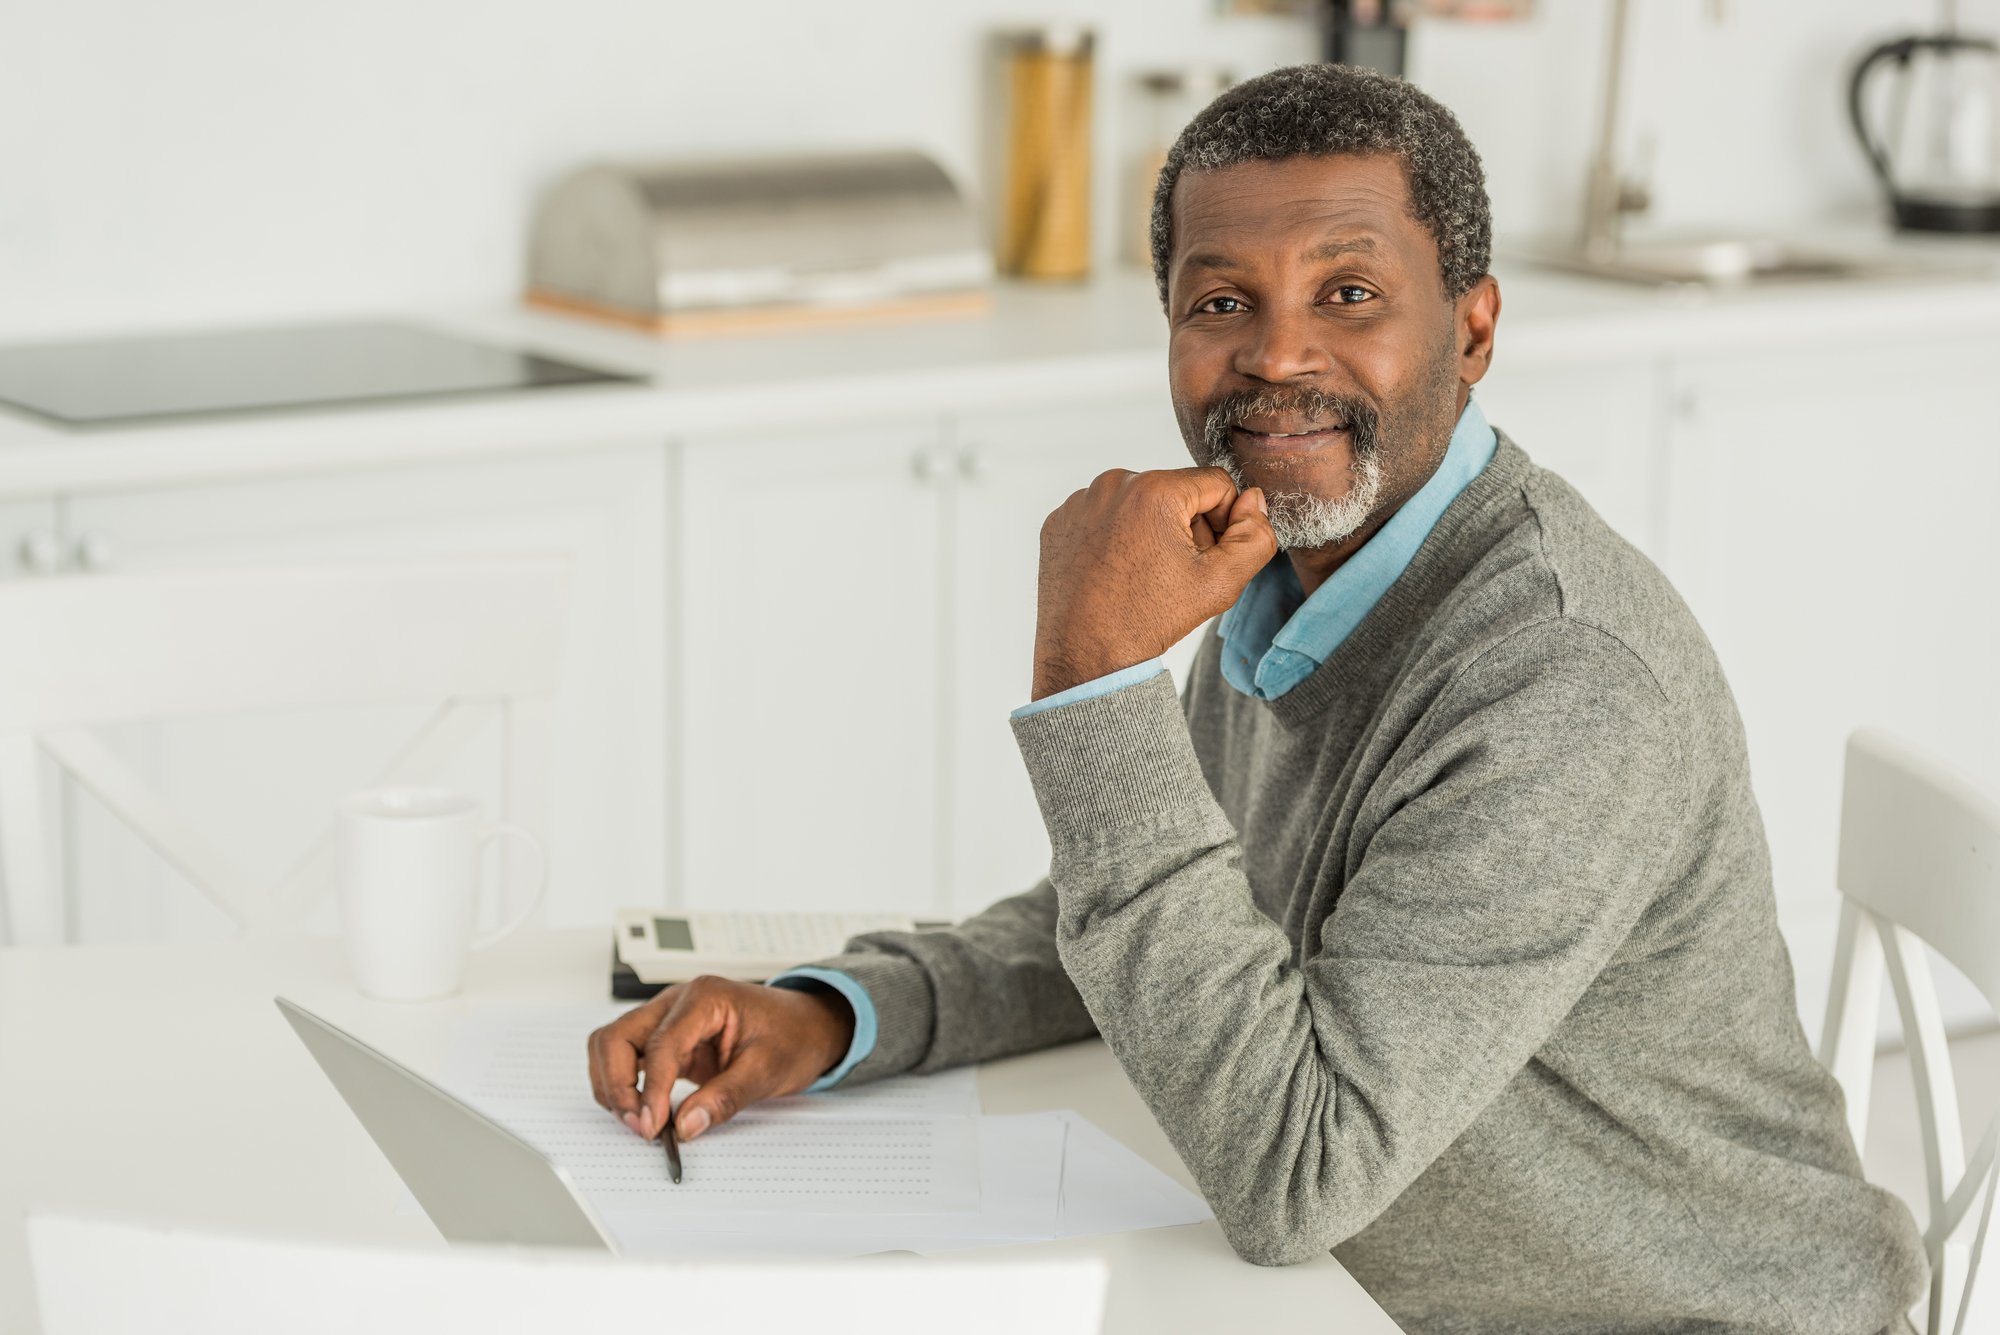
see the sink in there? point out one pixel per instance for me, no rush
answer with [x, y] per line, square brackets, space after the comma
[1734, 262]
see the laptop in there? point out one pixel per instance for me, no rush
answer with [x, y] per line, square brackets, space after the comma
[478, 1181]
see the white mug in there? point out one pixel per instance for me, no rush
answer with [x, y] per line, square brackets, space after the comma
[407, 864]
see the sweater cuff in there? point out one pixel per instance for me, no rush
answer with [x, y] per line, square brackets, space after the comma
[1110, 764]
[900, 996]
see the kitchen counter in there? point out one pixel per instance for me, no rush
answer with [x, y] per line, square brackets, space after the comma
[1046, 345]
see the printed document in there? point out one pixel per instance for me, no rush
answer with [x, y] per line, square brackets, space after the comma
[904, 1164]
[896, 1146]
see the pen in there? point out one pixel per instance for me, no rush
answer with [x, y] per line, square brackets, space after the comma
[671, 1141]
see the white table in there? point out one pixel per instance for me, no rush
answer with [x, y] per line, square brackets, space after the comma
[159, 1083]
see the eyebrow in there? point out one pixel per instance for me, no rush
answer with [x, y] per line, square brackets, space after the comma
[1325, 252]
[1333, 250]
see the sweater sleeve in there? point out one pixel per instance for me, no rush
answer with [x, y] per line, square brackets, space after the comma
[990, 987]
[1495, 870]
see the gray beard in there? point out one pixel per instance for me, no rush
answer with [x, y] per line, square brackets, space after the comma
[1301, 520]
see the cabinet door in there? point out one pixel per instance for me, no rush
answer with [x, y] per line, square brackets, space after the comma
[1834, 533]
[1600, 426]
[807, 570]
[29, 548]
[28, 539]
[1013, 469]
[261, 787]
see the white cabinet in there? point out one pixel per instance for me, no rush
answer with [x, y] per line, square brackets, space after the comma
[1014, 468]
[809, 571]
[1833, 531]
[856, 621]
[29, 543]
[1599, 426]
[261, 787]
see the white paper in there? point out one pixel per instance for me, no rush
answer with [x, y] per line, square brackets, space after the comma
[894, 1147]
[1042, 1175]
[899, 1165]
[1020, 1179]
[1108, 1188]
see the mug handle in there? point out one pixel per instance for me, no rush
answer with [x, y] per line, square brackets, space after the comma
[486, 836]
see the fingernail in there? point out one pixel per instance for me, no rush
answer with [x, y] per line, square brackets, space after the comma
[630, 1119]
[1262, 508]
[694, 1124]
[646, 1123]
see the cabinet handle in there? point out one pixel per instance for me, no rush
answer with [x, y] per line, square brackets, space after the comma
[40, 553]
[972, 464]
[94, 553]
[924, 466]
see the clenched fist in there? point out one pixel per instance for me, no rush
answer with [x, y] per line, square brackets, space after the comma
[1134, 562]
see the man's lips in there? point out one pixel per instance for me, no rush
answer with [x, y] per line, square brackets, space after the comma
[1293, 436]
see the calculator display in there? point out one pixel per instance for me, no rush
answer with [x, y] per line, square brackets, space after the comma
[673, 934]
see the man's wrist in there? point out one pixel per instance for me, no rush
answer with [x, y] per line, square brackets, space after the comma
[838, 1028]
[1056, 675]
[840, 1022]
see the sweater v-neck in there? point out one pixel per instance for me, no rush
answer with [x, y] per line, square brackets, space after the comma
[1439, 564]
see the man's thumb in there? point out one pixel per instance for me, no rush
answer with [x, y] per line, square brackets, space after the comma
[724, 1095]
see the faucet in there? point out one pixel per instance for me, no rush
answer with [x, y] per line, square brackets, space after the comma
[1609, 193]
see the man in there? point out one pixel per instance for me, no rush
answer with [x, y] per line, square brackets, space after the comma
[1435, 924]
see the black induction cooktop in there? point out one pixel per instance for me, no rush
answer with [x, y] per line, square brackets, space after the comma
[257, 370]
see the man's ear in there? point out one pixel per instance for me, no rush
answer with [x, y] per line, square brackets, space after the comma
[1475, 314]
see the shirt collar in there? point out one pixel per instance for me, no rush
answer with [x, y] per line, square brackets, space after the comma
[1274, 637]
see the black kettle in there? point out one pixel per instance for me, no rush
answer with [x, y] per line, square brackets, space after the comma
[1938, 158]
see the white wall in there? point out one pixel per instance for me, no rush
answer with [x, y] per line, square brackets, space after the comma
[176, 161]
[187, 161]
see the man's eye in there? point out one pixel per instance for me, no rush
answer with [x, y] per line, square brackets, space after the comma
[1342, 298]
[1220, 306]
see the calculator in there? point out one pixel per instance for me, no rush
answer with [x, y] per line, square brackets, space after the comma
[657, 946]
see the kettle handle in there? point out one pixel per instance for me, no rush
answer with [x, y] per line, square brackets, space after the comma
[1899, 51]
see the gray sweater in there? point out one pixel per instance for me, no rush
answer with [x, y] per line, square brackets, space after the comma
[1459, 959]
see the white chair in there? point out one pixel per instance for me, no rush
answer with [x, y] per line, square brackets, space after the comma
[1919, 864]
[108, 1278]
[468, 636]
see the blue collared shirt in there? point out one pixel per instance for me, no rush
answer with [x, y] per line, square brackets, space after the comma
[1275, 636]
[1272, 639]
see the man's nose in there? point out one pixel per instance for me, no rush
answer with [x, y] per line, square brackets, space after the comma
[1282, 345]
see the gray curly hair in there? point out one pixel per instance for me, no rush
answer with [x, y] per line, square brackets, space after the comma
[1320, 110]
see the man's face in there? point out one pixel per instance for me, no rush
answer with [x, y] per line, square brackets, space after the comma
[1314, 352]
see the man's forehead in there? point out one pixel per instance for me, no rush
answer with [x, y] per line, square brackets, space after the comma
[1357, 198]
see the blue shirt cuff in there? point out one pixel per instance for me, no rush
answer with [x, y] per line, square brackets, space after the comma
[1104, 685]
[864, 1016]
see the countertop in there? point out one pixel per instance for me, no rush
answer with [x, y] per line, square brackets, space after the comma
[1041, 345]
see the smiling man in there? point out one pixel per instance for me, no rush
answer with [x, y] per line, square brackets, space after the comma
[1435, 922]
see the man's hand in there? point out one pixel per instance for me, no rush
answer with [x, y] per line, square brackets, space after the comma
[740, 1041]
[1135, 561]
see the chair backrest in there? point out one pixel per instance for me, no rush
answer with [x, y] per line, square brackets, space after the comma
[464, 635]
[1919, 865]
[104, 1278]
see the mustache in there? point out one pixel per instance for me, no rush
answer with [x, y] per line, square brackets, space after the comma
[1231, 410]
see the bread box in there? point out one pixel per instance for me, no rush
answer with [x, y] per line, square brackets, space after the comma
[689, 247]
